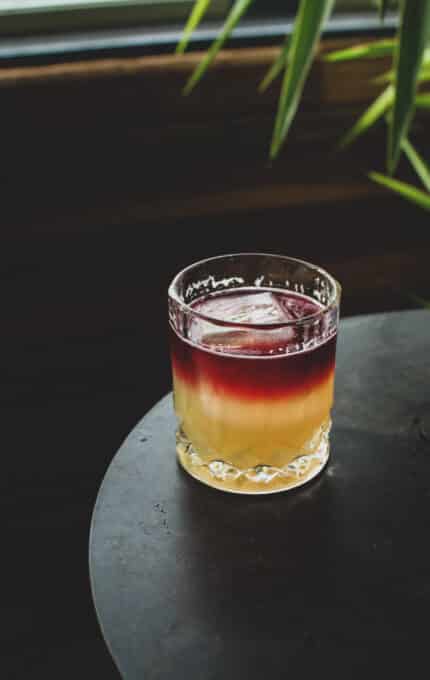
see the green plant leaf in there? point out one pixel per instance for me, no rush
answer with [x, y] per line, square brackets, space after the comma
[406, 190]
[310, 19]
[423, 75]
[370, 116]
[197, 13]
[418, 164]
[373, 50]
[237, 11]
[389, 76]
[422, 101]
[426, 57]
[277, 67]
[383, 78]
[413, 36]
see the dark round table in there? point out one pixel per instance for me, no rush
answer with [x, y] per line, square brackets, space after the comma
[332, 579]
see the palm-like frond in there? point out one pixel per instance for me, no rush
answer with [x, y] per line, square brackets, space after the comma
[418, 163]
[408, 191]
[373, 50]
[422, 101]
[310, 19]
[375, 111]
[414, 33]
[237, 11]
[197, 13]
[277, 67]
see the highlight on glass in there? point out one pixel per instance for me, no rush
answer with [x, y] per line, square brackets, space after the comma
[253, 343]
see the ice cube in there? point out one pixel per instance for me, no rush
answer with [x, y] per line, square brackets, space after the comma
[251, 342]
[254, 308]
[260, 308]
[297, 307]
[229, 340]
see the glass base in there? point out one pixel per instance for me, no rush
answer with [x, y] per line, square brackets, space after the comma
[262, 479]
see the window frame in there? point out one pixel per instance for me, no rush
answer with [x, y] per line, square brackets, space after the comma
[46, 48]
[54, 16]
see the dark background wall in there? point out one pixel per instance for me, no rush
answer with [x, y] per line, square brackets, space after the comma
[111, 182]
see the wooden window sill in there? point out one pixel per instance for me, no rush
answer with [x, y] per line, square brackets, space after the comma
[132, 149]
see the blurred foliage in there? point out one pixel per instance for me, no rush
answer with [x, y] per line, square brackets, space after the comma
[400, 96]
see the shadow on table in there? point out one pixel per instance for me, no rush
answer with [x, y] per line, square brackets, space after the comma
[317, 571]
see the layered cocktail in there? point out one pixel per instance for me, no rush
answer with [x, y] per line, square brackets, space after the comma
[253, 341]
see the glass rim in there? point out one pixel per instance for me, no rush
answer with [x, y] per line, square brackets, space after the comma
[333, 302]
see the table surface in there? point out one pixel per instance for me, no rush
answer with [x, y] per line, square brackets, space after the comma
[332, 578]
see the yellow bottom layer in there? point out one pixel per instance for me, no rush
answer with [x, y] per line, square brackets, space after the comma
[251, 434]
[261, 479]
